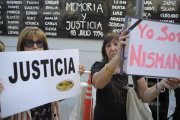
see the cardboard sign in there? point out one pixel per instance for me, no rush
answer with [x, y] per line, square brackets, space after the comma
[154, 49]
[34, 78]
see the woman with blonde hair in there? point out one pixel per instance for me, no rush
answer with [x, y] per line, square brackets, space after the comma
[34, 39]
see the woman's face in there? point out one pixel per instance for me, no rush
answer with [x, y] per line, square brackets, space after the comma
[33, 44]
[111, 48]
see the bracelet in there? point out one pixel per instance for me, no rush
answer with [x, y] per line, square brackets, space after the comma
[109, 71]
[157, 88]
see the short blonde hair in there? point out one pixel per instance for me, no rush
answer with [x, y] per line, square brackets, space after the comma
[31, 31]
[2, 46]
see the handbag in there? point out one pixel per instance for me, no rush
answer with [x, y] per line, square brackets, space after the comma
[135, 108]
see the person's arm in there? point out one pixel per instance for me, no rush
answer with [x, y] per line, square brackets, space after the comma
[145, 93]
[101, 78]
[149, 94]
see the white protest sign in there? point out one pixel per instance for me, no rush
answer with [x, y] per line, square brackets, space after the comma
[34, 78]
[154, 49]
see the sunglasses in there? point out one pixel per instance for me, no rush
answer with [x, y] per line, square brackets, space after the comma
[30, 43]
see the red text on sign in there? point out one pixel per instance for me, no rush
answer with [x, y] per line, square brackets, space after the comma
[165, 34]
[146, 59]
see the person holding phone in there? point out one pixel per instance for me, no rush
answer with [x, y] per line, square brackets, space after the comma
[111, 87]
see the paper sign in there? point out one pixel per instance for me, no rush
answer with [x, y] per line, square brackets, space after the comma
[154, 49]
[34, 78]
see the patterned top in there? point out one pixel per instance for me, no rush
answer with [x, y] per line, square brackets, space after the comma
[54, 113]
[42, 112]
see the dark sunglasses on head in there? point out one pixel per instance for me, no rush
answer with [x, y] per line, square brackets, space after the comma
[30, 43]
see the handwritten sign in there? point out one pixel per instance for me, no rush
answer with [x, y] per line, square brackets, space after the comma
[34, 78]
[154, 49]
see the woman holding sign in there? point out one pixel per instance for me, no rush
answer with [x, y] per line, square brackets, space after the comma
[111, 91]
[34, 39]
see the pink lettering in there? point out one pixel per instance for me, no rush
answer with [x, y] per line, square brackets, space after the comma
[165, 35]
[142, 30]
[176, 61]
[144, 59]
[135, 57]
[168, 62]
[150, 33]
[163, 29]
[150, 58]
[171, 37]
[160, 60]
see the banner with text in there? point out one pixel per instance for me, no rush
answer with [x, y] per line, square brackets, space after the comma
[154, 49]
[34, 78]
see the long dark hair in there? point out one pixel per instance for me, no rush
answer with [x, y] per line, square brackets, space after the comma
[107, 39]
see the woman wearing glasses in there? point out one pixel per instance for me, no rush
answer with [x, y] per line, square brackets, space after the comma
[34, 39]
[29, 36]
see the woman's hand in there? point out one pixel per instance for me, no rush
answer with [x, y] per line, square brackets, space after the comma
[169, 83]
[81, 69]
[122, 38]
[121, 45]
